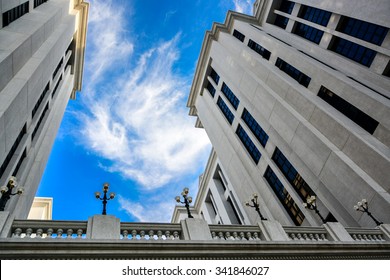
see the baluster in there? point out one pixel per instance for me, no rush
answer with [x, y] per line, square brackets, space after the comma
[49, 232]
[249, 236]
[17, 233]
[256, 236]
[214, 235]
[359, 236]
[317, 237]
[59, 232]
[235, 236]
[305, 237]
[125, 234]
[69, 233]
[79, 233]
[159, 235]
[168, 235]
[228, 236]
[39, 233]
[299, 236]
[151, 234]
[311, 237]
[242, 236]
[134, 235]
[142, 235]
[220, 235]
[176, 235]
[28, 232]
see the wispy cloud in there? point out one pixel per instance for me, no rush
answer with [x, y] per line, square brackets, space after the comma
[243, 6]
[137, 117]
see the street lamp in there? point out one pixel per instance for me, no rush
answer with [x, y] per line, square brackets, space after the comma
[362, 206]
[6, 192]
[104, 198]
[256, 205]
[311, 205]
[186, 202]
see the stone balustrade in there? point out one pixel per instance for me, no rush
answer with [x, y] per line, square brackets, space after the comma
[234, 232]
[143, 231]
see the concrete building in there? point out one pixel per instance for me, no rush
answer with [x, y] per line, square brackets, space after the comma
[296, 102]
[42, 47]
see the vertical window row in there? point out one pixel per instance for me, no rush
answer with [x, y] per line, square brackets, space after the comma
[225, 110]
[259, 49]
[230, 96]
[248, 144]
[286, 7]
[315, 15]
[210, 88]
[284, 197]
[38, 3]
[39, 121]
[56, 87]
[356, 115]
[293, 72]
[39, 101]
[214, 76]
[255, 127]
[238, 35]
[15, 13]
[58, 67]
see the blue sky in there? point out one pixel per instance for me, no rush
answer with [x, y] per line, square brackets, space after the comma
[129, 126]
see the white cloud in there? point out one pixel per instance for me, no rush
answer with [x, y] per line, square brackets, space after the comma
[243, 6]
[137, 118]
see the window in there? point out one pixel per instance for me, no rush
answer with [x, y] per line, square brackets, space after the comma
[248, 144]
[293, 72]
[255, 127]
[39, 121]
[353, 51]
[238, 35]
[308, 32]
[210, 88]
[225, 110]
[259, 49]
[315, 15]
[22, 157]
[286, 6]
[284, 197]
[39, 101]
[38, 3]
[292, 175]
[58, 67]
[359, 117]
[363, 30]
[281, 21]
[230, 96]
[13, 150]
[213, 75]
[15, 13]
[56, 87]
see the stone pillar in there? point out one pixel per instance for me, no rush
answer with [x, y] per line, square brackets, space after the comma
[337, 232]
[195, 229]
[385, 228]
[273, 231]
[103, 227]
[5, 224]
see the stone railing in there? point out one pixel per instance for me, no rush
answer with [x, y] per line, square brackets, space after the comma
[306, 233]
[147, 231]
[363, 234]
[234, 232]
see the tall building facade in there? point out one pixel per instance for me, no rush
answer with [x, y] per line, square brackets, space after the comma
[42, 45]
[296, 102]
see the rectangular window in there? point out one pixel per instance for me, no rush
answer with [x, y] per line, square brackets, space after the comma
[248, 144]
[286, 6]
[363, 30]
[353, 51]
[38, 103]
[22, 157]
[38, 3]
[210, 88]
[58, 67]
[308, 32]
[284, 197]
[13, 150]
[15, 13]
[281, 21]
[56, 87]
[214, 75]
[239, 35]
[230, 96]
[293, 72]
[259, 49]
[225, 110]
[39, 121]
[356, 115]
[292, 175]
[255, 127]
[315, 15]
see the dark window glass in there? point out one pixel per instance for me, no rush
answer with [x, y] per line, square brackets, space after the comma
[293, 72]
[58, 67]
[230, 96]
[363, 30]
[248, 144]
[315, 15]
[38, 3]
[284, 197]
[353, 51]
[15, 13]
[259, 49]
[308, 32]
[39, 121]
[225, 110]
[359, 117]
[281, 21]
[22, 157]
[39, 101]
[210, 88]
[292, 175]
[238, 35]
[286, 6]
[213, 75]
[13, 150]
[255, 127]
[56, 87]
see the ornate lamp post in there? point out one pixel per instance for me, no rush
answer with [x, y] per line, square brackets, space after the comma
[362, 206]
[6, 192]
[104, 198]
[311, 205]
[255, 205]
[186, 202]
